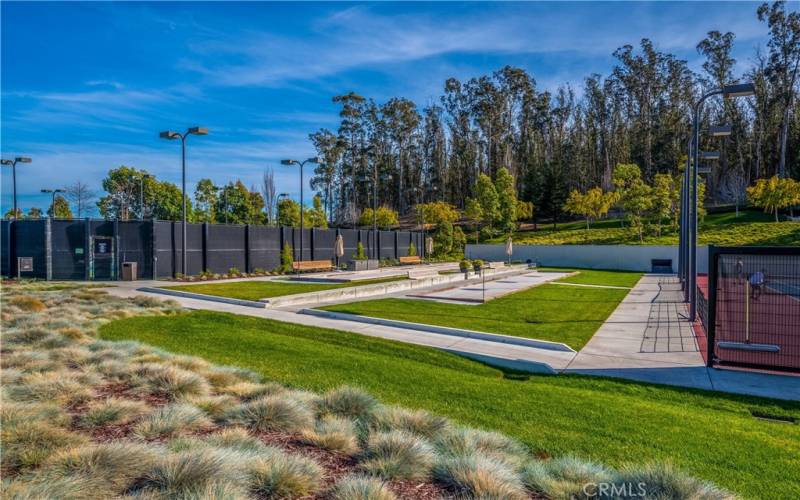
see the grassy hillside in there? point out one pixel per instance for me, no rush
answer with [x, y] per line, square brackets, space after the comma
[724, 229]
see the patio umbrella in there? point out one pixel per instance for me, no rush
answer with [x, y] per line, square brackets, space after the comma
[338, 248]
[509, 249]
[428, 246]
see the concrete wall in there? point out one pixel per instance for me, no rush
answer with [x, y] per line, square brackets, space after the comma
[628, 257]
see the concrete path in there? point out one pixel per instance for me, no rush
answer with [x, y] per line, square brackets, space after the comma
[478, 293]
[648, 338]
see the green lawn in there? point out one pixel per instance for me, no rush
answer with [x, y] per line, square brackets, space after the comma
[255, 290]
[547, 312]
[723, 229]
[711, 435]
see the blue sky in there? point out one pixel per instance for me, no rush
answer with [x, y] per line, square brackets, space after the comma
[87, 86]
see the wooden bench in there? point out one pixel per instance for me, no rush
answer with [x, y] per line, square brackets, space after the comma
[312, 265]
[411, 259]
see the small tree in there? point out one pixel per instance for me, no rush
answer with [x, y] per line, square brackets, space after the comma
[385, 217]
[34, 213]
[459, 241]
[474, 213]
[60, 208]
[288, 213]
[592, 205]
[315, 217]
[486, 194]
[506, 200]
[635, 197]
[664, 198]
[524, 210]
[443, 239]
[412, 249]
[287, 258]
[772, 194]
[437, 212]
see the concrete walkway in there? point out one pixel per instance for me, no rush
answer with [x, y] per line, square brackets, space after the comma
[648, 338]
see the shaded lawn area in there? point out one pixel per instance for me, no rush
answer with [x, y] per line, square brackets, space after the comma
[752, 227]
[547, 312]
[709, 434]
[254, 290]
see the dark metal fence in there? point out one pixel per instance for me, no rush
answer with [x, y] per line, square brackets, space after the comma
[753, 317]
[95, 249]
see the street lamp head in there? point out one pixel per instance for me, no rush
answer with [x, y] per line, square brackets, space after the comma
[198, 131]
[60, 191]
[288, 162]
[47, 190]
[169, 134]
[22, 159]
[720, 131]
[283, 195]
[709, 155]
[738, 90]
[315, 159]
[6, 162]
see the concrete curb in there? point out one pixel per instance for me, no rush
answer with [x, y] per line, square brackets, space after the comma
[357, 292]
[443, 330]
[202, 296]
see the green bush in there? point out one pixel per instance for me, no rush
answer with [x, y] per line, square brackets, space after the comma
[465, 265]
[234, 271]
[477, 264]
[287, 259]
[360, 255]
[412, 249]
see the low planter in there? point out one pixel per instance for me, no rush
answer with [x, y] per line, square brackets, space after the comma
[363, 265]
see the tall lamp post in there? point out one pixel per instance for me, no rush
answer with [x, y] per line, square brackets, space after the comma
[301, 164]
[727, 92]
[54, 192]
[170, 135]
[13, 164]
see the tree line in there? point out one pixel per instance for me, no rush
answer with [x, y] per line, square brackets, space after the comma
[553, 143]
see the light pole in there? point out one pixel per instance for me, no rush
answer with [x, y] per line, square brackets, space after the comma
[301, 163]
[728, 91]
[54, 192]
[13, 164]
[170, 135]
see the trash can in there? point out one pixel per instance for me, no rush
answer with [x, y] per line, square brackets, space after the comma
[129, 271]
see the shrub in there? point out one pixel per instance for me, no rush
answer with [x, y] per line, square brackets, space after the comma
[171, 420]
[27, 444]
[33, 488]
[350, 402]
[563, 477]
[412, 249]
[214, 406]
[60, 386]
[360, 255]
[250, 390]
[477, 265]
[272, 413]
[237, 439]
[27, 303]
[12, 414]
[398, 455]
[174, 383]
[276, 474]
[334, 434]
[195, 474]
[662, 480]
[361, 488]
[234, 271]
[112, 411]
[221, 377]
[477, 476]
[115, 464]
[465, 265]
[417, 422]
[287, 259]
[463, 441]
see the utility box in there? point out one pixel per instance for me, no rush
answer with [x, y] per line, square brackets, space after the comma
[129, 271]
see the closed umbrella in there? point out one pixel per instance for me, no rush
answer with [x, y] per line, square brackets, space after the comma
[429, 246]
[339, 248]
[509, 249]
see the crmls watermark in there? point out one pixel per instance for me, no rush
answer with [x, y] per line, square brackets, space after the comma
[615, 490]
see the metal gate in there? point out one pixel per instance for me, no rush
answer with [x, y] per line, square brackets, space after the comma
[102, 259]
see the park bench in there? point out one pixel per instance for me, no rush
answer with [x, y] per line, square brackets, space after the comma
[312, 265]
[411, 259]
[496, 265]
[418, 274]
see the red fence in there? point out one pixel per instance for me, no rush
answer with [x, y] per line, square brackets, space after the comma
[752, 312]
